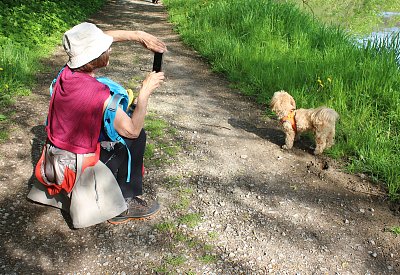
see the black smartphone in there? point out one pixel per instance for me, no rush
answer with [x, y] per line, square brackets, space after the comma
[157, 62]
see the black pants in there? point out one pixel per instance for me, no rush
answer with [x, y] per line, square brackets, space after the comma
[117, 161]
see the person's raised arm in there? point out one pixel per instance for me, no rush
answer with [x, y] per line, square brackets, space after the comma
[147, 40]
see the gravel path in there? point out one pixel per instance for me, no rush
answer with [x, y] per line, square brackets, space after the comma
[232, 201]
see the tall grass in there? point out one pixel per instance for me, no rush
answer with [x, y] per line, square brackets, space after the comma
[263, 46]
[15, 72]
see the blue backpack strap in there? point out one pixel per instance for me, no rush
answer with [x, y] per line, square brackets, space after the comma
[51, 89]
[119, 98]
[115, 88]
[54, 81]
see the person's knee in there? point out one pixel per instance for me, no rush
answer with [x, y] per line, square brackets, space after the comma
[143, 135]
[138, 142]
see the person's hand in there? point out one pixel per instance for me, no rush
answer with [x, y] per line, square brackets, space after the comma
[152, 82]
[151, 42]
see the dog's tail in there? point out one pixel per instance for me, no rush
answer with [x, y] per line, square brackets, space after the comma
[326, 114]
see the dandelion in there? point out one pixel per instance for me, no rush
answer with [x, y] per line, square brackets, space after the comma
[320, 82]
[329, 80]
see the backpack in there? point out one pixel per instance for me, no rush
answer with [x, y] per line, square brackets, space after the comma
[119, 98]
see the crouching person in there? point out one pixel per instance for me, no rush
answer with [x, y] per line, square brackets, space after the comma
[83, 169]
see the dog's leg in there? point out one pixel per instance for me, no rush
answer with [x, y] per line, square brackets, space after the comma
[290, 135]
[320, 143]
[330, 140]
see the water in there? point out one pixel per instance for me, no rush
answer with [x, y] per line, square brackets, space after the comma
[387, 14]
[386, 35]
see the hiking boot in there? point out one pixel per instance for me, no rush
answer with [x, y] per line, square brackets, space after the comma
[138, 209]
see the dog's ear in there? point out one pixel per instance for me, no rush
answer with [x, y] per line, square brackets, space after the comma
[273, 101]
[292, 102]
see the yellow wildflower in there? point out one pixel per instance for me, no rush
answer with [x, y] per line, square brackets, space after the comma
[320, 82]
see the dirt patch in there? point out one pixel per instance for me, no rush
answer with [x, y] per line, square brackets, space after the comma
[259, 209]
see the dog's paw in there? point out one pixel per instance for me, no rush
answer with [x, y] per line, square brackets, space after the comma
[318, 152]
[286, 147]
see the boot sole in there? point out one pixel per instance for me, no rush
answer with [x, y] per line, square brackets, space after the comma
[127, 219]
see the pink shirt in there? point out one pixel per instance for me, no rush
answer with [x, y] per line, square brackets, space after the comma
[76, 112]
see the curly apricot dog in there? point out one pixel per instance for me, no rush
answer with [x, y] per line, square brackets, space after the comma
[321, 121]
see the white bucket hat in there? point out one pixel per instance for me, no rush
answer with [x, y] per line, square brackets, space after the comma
[84, 43]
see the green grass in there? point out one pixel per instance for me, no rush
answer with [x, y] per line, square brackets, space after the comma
[172, 182]
[160, 148]
[181, 204]
[213, 235]
[175, 260]
[175, 237]
[208, 259]
[3, 135]
[190, 219]
[17, 67]
[29, 30]
[183, 199]
[169, 263]
[166, 226]
[395, 230]
[263, 46]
